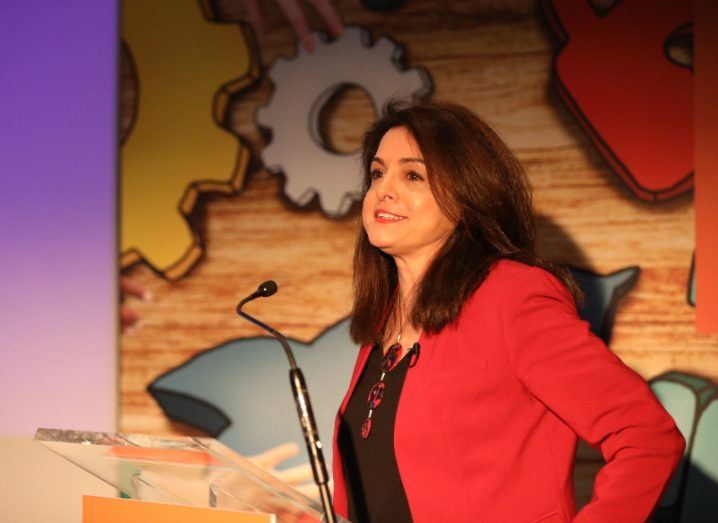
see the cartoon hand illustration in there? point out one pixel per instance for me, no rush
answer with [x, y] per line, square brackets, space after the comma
[615, 75]
[293, 13]
[128, 317]
[300, 476]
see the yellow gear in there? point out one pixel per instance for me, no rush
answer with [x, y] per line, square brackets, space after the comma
[185, 67]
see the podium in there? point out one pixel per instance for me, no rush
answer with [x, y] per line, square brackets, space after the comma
[177, 479]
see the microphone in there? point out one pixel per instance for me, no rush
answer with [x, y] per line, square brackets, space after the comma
[265, 290]
[301, 399]
[268, 288]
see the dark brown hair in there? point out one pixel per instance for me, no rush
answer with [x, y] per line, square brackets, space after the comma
[480, 186]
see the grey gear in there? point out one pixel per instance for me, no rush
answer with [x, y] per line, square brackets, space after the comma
[302, 86]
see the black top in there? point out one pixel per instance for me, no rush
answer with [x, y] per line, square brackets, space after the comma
[374, 490]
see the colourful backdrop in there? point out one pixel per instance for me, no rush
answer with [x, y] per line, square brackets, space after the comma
[239, 166]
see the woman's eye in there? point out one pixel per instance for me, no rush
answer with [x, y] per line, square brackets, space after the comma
[376, 173]
[414, 176]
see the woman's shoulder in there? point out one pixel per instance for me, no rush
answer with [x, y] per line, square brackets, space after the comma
[514, 279]
[513, 288]
[514, 272]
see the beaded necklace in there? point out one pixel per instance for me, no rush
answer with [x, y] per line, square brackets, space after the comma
[388, 363]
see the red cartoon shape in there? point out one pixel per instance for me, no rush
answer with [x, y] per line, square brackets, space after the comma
[614, 73]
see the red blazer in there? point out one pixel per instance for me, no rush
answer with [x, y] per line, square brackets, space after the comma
[487, 422]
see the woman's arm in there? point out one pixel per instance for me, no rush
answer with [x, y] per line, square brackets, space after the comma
[574, 375]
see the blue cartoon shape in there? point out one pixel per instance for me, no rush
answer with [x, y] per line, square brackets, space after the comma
[692, 495]
[239, 391]
[691, 295]
[603, 292]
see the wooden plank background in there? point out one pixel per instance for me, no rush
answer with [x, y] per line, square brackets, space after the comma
[494, 57]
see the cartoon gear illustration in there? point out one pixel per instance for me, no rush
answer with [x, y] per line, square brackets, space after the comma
[178, 147]
[302, 87]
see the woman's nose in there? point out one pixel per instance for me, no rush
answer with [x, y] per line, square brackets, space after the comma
[387, 188]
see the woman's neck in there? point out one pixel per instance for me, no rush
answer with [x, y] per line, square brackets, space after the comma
[409, 281]
[410, 274]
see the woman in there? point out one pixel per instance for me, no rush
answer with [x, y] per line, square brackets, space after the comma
[476, 376]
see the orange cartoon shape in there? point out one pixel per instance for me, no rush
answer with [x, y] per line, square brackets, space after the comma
[615, 74]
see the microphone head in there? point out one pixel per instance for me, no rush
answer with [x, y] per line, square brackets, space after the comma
[267, 288]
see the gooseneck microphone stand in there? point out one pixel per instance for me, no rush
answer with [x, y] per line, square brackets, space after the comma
[301, 398]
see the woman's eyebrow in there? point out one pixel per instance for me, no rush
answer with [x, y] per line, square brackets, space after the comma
[410, 159]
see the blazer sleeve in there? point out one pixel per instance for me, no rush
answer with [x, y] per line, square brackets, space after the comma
[572, 372]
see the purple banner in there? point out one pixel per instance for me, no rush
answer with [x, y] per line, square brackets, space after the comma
[58, 267]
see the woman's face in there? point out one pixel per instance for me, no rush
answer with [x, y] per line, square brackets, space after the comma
[399, 213]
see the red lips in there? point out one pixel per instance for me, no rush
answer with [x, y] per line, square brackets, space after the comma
[384, 216]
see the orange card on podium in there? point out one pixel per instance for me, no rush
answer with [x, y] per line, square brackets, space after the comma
[97, 509]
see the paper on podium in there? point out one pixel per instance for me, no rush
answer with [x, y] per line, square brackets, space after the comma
[192, 471]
